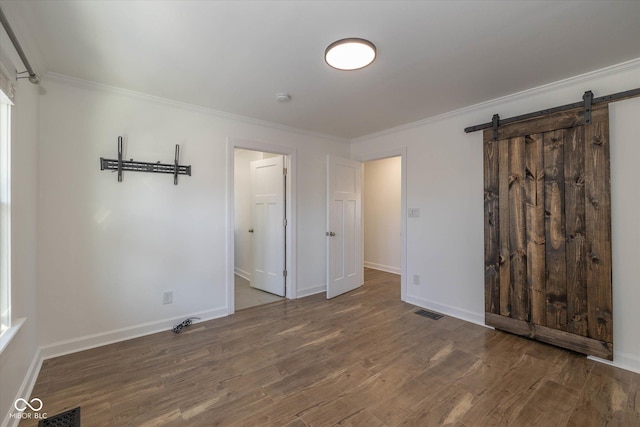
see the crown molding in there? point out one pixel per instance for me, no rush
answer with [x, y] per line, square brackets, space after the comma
[88, 84]
[600, 73]
[538, 90]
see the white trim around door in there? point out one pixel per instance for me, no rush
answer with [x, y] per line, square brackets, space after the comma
[290, 241]
[402, 153]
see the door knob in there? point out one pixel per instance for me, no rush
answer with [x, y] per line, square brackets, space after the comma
[251, 230]
[330, 233]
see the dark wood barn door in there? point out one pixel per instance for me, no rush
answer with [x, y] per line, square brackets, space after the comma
[548, 230]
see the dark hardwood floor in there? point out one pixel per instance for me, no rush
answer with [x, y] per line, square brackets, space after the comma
[361, 359]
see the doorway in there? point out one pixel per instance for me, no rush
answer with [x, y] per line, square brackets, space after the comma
[382, 212]
[259, 234]
[385, 213]
[260, 224]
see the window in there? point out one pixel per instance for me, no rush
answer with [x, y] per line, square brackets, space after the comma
[5, 229]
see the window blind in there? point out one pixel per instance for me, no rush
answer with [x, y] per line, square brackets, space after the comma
[7, 77]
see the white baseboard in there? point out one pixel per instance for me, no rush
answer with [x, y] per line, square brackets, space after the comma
[311, 291]
[242, 273]
[25, 389]
[382, 267]
[625, 361]
[477, 318]
[97, 340]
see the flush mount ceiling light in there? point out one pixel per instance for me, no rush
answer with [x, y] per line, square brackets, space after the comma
[350, 54]
[283, 97]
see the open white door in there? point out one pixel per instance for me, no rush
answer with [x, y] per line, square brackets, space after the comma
[344, 228]
[268, 242]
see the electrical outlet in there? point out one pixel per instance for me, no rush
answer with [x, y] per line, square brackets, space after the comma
[416, 279]
[167, 297]
[414, 213]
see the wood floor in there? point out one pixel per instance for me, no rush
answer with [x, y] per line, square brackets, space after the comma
[362, 359]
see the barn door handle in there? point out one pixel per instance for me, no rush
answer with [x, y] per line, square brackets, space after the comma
[330, 233]
[251, 230]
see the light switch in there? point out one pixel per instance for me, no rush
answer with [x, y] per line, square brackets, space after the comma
[414, 212]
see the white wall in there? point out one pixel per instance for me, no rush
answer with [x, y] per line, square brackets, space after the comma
[625, 220]
[444, 180]
[108, 250]
[382, 210]
[19, 360]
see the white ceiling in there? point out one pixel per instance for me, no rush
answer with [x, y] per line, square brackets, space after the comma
[234, 56]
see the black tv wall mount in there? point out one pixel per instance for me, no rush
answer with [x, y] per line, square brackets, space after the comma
[134, 166]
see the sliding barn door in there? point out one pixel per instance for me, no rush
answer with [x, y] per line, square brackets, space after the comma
[548, 231]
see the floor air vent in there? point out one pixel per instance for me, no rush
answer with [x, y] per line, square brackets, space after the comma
[429, 314]
[70, 418]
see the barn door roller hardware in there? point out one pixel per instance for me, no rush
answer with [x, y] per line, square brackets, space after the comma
[131, 165]
[495, 123]
[587, 102]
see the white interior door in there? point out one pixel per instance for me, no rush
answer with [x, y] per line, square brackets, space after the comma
[268, 229]
[344, 228]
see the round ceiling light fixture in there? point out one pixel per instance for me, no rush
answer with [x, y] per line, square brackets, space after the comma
[283, 97]
[350, 54]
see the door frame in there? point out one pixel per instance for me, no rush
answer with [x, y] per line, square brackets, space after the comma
[290, 193]
[402, 153]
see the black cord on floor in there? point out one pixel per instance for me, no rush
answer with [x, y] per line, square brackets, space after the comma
[178, 328]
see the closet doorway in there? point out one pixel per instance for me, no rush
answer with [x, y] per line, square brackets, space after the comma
[258, 151]
[384, 212]
[260, 228]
